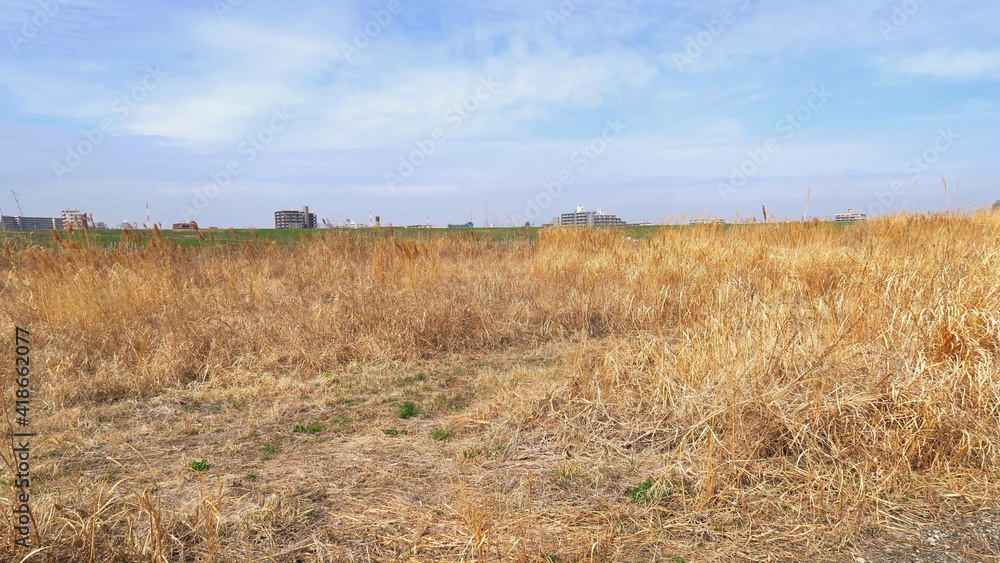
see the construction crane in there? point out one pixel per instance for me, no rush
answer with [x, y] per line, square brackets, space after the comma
[17, 199]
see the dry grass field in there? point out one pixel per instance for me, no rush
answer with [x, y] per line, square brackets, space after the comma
[768, 392]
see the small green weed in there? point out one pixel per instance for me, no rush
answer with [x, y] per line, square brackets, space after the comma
[649, 491]
[311, 428]
[407, 409]
[569, 475]
[440, 433]
[269, 449]
[200, 465]
[483, 450]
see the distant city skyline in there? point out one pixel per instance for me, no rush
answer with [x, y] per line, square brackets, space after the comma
[283, 218]
[223, 111]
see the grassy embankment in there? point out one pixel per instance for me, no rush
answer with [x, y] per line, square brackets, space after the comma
[227, 237]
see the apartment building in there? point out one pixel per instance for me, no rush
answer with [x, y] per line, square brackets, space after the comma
[19, 222]
[291, 219]
[851, 215]
[582, 218]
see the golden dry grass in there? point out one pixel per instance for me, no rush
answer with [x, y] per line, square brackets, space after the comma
[779, 391]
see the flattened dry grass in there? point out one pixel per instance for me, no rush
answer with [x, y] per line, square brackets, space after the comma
[772, 391]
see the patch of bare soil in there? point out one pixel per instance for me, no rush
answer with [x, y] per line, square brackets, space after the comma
[963, 539]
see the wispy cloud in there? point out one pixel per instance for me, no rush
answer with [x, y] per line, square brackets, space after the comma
[952, 63]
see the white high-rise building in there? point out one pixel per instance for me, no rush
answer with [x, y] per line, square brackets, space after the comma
[76, 219]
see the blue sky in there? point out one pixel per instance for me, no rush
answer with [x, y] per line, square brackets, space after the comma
[223, 111]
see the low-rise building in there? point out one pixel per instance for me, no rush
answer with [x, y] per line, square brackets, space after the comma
[851, 215]
[346, 224]
[35, 223]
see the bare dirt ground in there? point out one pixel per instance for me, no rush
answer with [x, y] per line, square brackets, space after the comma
[958, 539]
[327, 470]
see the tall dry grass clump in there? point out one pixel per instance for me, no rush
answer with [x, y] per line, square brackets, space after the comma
[781, 386]
[134, 320]
[790, 385]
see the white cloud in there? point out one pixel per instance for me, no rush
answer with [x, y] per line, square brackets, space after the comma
[242, 74]
[243, 71]
[979, 106]
[950, 63]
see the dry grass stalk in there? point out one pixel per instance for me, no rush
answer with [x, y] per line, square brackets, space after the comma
[777, 390]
